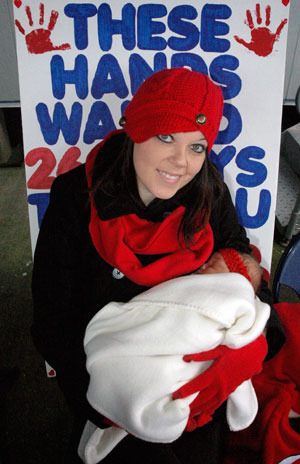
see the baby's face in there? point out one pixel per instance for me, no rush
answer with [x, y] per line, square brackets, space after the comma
[215, 265]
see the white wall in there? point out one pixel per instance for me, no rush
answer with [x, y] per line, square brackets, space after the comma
[292, 74]
[9, 84]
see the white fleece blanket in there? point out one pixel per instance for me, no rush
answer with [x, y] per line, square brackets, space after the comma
[135, 356]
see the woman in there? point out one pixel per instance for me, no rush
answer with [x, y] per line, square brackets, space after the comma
[147, 206]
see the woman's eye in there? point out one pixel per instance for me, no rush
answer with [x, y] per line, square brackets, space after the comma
[198, 147]
[165, 138]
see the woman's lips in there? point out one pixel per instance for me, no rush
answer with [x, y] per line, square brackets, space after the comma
[171, 178]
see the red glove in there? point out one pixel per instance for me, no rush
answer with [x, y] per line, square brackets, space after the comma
[230, 368]
[197, 420]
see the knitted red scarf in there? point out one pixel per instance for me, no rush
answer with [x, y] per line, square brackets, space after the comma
[118, 240]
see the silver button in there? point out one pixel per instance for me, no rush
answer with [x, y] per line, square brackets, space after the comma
[117, 274]
[200, 119]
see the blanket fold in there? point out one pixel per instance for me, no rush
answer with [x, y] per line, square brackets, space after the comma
[135, 355]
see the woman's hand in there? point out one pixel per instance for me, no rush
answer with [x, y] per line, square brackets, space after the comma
[229, 369]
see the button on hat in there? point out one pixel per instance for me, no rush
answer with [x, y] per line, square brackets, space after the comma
[174, 100]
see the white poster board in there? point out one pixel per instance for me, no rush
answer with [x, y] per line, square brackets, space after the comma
[80, 62]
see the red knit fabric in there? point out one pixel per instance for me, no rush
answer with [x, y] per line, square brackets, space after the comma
[118, 240]
[229, 369]
[271, 439]
[175, 100]
[234, 262]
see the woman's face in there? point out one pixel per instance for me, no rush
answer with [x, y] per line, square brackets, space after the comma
[166, 163]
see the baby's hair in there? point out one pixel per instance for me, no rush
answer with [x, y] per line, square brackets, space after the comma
[254, 270]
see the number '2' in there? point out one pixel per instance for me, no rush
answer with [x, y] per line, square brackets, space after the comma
[43, 177]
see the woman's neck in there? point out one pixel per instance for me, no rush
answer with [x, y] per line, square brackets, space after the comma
[145, 195]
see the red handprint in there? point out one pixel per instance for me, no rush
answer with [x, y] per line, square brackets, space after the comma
[38, 41]
[285, 2]
[262, 39]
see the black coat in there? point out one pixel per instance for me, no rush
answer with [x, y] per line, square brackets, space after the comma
[71, 282]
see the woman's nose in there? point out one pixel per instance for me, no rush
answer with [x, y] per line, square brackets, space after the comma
[179, 156]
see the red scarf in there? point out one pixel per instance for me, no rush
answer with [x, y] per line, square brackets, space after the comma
[118, 240]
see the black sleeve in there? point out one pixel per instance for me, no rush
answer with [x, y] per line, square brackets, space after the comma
[59, 319]
[228, 233]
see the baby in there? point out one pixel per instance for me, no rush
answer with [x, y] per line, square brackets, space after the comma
[230, 260]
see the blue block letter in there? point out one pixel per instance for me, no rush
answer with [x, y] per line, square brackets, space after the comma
[80, 13]
[220, 71]
[77, 76]
[109, 78]
[246, 160]
[211, 28]
[139, 69]
[148, 28]
[99, 123]
[41, 201]
[263, 210]
[234, 126]
[192, 60]
[223, 158]
[70, 127]
[107, 26]
[188, 30]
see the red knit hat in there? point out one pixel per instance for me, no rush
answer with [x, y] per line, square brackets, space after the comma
[174, 100]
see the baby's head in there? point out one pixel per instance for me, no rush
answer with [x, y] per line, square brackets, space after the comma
[254, 270]
[229, 260]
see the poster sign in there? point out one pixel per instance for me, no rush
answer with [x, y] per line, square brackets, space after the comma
[81, 62]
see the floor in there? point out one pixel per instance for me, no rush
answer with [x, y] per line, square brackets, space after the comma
[34, 419]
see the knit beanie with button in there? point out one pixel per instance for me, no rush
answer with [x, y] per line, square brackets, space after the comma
[174, 100]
